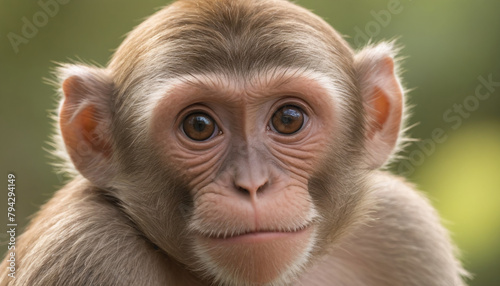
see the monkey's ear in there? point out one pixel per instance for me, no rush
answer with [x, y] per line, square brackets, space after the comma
[383, 102]
[84, 120]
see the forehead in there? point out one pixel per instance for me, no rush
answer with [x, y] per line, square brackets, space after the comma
[280, 81]
[230, 36]
[237, 94]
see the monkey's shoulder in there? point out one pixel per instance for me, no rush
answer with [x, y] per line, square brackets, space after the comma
[401, 242]
[395, 197]
[81, 238]
[404, 219]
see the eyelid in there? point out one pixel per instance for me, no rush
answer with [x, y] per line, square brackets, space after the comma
[292, 101]
[197, 108]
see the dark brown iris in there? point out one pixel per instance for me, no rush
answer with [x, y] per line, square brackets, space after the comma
[288, 119]
[198, 126]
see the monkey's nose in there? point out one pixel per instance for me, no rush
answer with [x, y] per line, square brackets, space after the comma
[251, 173]
[251, 187]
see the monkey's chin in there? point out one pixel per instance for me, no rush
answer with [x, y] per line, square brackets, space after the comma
[256, 258]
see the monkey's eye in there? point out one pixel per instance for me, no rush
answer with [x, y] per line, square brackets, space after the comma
[199, 126]
[288, 119]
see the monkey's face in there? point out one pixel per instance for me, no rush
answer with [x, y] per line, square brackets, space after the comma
[247, 151]
[235, 139]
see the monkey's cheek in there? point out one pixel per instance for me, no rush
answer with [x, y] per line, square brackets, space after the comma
[258, 257]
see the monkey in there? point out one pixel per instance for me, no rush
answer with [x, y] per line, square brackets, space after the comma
[234, 142]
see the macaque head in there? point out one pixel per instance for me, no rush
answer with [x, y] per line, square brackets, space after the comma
[237, 136]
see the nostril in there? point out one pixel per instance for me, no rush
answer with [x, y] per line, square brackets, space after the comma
[261, 188]
[243, 190]
[251, 189]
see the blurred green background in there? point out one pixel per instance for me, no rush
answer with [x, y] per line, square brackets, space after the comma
[452, 51]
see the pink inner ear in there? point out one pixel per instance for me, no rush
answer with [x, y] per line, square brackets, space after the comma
[89, 124]
[380, 111]
[82, 127]
[382, 106]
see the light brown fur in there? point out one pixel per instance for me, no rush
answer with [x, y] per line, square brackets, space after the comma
[148, 206]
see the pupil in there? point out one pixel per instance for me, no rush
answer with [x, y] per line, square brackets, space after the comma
[289, 115]
[200, 124]
[286, 119]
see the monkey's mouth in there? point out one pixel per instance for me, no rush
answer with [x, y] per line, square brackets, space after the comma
[261, 235]
[258, 256]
